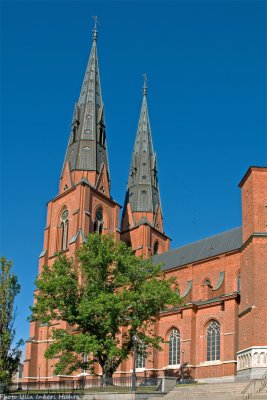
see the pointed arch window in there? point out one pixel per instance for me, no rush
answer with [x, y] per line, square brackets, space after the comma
[156, 248]
[140, 357]
[174, 347]
[64, 224]
[213, 341]
[99, 221]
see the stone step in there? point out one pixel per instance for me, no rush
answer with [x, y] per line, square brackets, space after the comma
[195, 396]
[220, 389]
[210, 396]
[200, 393]
[210, 391]
[214, 385]
[204, 396]
[259, 396]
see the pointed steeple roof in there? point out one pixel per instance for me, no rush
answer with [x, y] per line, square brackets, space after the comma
[142, 189]
[87, 149]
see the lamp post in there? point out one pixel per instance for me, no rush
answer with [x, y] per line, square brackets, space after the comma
[182, 371]
[18, 378]
[39, 376]
[134, 357]
[84, 371]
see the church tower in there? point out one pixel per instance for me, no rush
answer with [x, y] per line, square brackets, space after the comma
[252, 316]
[83, 204]
[86, 156]
[142, 221]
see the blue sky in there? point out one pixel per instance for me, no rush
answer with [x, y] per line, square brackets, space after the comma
[206, 67]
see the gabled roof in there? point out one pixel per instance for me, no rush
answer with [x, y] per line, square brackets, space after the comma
[200, 250]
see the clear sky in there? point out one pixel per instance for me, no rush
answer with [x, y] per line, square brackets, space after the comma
[206, 68]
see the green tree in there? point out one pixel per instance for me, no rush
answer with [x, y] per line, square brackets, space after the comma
[9, 288]
[105, 290]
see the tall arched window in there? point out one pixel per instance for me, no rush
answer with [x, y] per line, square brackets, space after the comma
[174, 347]
[99, 222]
[140, 356]
[64, 229]
[156, 247]
[213, 341]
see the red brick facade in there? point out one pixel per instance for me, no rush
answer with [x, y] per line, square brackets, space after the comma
[226, 290]
[238, 304]
[242, 315]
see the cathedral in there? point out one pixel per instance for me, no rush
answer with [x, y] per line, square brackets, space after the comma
[221, 330]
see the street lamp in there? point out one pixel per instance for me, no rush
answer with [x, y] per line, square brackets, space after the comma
[84, 371]
[18, 376]
[39, 376]
[134, 358]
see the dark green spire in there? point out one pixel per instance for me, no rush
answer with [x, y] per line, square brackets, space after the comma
[142, 189]
[87, 145]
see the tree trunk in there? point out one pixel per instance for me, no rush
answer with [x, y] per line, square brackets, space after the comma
[108, 366]
[107, 377]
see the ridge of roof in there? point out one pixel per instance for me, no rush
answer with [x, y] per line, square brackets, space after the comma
[205, 248]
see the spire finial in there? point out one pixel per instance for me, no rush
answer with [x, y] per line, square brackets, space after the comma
[95, 31]
[145, 84]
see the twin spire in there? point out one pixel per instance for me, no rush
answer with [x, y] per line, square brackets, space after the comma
[87, 151]
[142, 189]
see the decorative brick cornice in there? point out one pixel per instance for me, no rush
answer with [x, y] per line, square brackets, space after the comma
[202, 304]
[251, 237]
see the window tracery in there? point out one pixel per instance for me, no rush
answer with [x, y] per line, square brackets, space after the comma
[64, 224]
[213, 341]
[99, 221]
[140, 357]
[174, 347]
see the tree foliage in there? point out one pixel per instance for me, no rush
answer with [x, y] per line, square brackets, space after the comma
[107, 296]
[9, 288]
